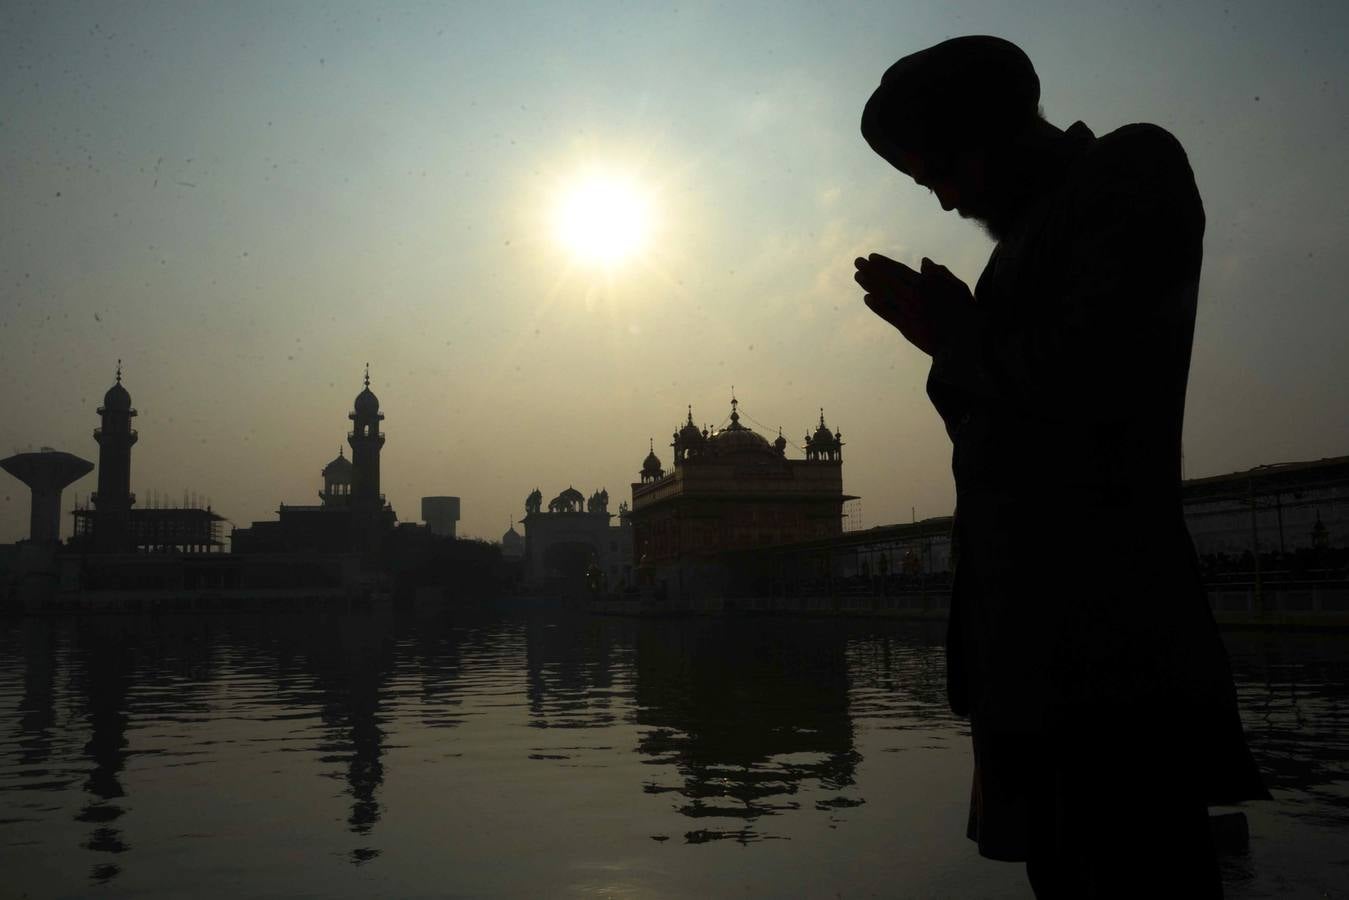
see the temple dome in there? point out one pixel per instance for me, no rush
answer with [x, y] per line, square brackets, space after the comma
[651, 465]
[736, 439]
[512, 539]
[690, 433]
[823, 437]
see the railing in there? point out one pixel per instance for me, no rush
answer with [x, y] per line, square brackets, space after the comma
[1280, 598]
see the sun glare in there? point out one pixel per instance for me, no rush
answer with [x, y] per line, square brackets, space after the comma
[602, 219]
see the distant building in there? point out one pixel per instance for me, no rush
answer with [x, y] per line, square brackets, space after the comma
[512, 543]
[352, 516]
[1280, 508]
[440, 514]
[573, 534]
[114, 525]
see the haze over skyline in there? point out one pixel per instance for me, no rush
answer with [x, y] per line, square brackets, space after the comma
[248, 203]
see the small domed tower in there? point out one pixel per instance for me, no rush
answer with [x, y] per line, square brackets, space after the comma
[651, 470]
[780, 445]
[688, 441]
[336, 481]
[366, 441]
[113, 501]
[512, 543]
[824, 445]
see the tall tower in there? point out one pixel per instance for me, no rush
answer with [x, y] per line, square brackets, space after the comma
[113, 501]
[366, 441]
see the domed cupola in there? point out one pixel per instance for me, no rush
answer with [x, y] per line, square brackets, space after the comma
[367, 404]
[651, 470]
[337, 481]
[780, 445]
[117, 399]
[512, 543]
[690, 431]
[688, 440]
[823, 437]
[736, 438]
[339, 467]
[569, 501]
[824, 444]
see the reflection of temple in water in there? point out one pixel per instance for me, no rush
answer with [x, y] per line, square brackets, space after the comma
[569, 673]
[753, 716]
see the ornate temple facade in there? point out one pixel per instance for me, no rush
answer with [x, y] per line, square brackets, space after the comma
[734, 489]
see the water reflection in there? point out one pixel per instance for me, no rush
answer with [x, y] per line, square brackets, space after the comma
[1292, 689]
[688, 732]
[568, 673]
[350, 662]
[750, 716]
[37, 709]
[103, 674]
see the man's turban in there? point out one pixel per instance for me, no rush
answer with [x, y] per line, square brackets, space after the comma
[963, 92]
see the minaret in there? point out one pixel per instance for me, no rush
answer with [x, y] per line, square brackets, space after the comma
[366, 440]
[113, 502]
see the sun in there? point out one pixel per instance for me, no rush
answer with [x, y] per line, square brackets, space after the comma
[603, 218]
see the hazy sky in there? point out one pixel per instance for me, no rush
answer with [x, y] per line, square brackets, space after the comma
[247, 201]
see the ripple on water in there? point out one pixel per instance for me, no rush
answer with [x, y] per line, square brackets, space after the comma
[237, 746]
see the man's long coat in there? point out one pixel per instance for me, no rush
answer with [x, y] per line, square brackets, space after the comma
[1078, 617]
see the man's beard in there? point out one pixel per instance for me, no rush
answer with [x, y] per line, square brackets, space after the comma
[1011, 186]
[997, 227]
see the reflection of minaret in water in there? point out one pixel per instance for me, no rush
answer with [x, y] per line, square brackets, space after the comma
[113, 502]
[105, 676]
[351, 682]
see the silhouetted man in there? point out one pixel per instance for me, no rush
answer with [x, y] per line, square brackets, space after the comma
[1080, 643]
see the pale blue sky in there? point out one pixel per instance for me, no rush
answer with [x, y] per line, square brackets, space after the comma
[246, 202]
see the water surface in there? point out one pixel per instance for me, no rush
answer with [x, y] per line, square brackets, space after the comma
[380, 755]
